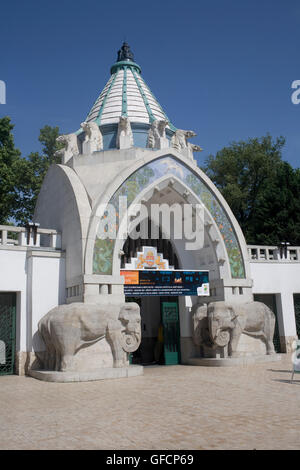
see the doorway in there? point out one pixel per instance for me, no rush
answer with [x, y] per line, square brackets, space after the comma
[171, 331]
[160, 343]
[297, 313]
[7, 332]
[270, 301]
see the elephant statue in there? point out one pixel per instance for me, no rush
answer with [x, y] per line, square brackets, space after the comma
[226, 322]
[68, 328]
[201, 334]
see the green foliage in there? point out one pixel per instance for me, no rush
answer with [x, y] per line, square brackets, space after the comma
[262, 190]
[10, 172]
[277, 217]
[21, 178]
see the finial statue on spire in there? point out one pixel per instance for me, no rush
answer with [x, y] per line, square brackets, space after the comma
[125, 53]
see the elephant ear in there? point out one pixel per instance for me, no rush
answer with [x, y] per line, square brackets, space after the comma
[199, 312]
[233, 313]
[199, 317]
[129, 340]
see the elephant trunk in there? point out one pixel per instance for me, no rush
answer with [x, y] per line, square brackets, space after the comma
[130, 341]
[218, 335]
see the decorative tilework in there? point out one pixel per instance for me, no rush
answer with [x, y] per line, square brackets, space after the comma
[138, 103]
[143, 177]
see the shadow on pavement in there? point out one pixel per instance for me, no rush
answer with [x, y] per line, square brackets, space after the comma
[292, 382]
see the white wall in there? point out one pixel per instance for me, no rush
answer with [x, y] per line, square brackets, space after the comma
[38, 277]
[281, 278]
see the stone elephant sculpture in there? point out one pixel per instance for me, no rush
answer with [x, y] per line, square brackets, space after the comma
[201, 336]
[227, 321]
[68, 328]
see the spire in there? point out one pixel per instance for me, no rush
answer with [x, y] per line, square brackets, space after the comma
[126, 94]
[125, 53]
[125, 58]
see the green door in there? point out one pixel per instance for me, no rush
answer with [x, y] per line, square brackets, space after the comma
[7, 332]
[170, 318]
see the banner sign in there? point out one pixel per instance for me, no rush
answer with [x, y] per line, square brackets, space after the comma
[165, 283]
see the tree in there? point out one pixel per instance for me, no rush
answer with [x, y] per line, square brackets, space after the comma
[261, 189]
[277, 218]
[21, 178]
[10, 171]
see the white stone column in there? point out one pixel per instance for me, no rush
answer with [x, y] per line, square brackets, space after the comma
[286, 320]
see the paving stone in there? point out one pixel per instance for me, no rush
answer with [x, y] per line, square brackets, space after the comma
[175, 407]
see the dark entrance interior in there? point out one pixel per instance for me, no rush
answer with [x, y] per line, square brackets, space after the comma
[164, 246]
[160, 315]
[270, 301]
[160, 342]
[297, 313]
[7, 332]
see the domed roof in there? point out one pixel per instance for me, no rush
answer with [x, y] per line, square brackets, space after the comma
[126, 94]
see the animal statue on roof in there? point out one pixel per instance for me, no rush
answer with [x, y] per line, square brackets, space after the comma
[93, 136]
[70, 149]
[124, 134]
[157, 132]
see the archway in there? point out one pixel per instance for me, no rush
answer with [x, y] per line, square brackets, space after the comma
[166, 178]
[172, 314]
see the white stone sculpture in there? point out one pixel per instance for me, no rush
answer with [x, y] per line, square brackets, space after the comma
[179, 139]
[157, 135]
[93, 141]
[71, 147]
[180, 142]
[194, 148]
[221, 324]
[124, 135]
[68, 328]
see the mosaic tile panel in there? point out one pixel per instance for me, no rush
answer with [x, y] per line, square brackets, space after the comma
[143, 177]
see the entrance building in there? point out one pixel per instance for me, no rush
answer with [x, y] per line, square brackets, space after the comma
[125, 159]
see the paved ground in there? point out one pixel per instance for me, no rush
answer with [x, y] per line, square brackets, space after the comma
[176, 407]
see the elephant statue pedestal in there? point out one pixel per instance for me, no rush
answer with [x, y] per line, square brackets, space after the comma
[87, 375]
[233, 334]
[88, 342]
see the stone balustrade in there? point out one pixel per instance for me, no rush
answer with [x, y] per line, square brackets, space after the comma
[259, 253]
[30, 236]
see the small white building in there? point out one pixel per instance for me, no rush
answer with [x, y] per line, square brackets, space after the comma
[127, 152]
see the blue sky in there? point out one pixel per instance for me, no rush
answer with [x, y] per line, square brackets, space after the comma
[222, 68]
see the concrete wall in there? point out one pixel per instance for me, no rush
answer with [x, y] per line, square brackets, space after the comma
[281, 278]
[38, 277]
